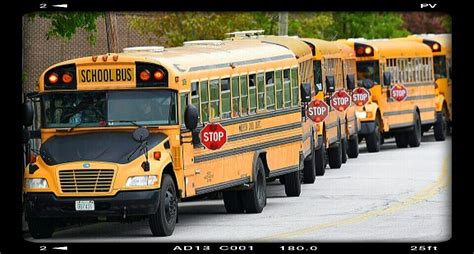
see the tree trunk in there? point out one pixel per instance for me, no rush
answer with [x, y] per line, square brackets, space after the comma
[112, 32]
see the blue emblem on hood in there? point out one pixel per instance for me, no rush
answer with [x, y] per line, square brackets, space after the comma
[86, 165]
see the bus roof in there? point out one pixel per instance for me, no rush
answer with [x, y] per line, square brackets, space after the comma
[299, 48]
[394, 47]
[443, 39]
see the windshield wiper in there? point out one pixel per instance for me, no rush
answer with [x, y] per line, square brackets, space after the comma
[134, 122]
[75, 126]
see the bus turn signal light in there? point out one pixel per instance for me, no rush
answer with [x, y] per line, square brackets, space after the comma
[157, 156]
[145, 75]
[158, 75]
[53, 78]
[67, 78]
[368, 50]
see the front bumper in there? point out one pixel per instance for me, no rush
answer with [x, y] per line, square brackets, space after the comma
[367, 127]
[124, 204]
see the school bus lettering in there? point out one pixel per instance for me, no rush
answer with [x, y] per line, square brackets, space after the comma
[106, 75]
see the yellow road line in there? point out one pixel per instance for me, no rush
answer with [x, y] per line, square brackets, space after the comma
[429, 191]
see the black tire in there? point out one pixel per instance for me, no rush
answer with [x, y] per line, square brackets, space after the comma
[440, 127]
[255, 199]
[344, 151]
[335, 155]
[353, 146]
[41, 228]
[414, 135]
[401, 139]
[282, 179]
[309, 170]
[293, 184]
[233, 201]
[374, 139]
[162, 223]
[321, 161]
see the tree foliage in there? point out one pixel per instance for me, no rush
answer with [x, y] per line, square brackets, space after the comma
[65, 24]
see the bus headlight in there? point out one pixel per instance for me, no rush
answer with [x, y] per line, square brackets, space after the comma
[135, 181]
[361, 114]
[36, 183]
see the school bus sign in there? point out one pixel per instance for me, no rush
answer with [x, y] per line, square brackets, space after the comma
[213, 136]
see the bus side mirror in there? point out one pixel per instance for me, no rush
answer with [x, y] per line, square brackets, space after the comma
[387, 78]
[191, 117]
[306, 92]
[330, 88]
[350, 81]
[28, 113]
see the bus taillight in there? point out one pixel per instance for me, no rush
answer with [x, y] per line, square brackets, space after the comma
[145, 75]
[53, 78]
[435, 47]
[61, 77]
[363, 50]
[67, 78]
[151, 75]
[158, 75]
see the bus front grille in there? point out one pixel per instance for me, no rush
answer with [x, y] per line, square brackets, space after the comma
[86, 180]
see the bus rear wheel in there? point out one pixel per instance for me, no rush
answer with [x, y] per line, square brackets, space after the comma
[41, 228]
[233, 201]
[162, 223]
[335, 155]
[440, 127]
[401, 139]
[309, 171]
[255, 199]
[414, 136]
[353, 146]
[374, 139]
[321, 160]
[344, 150]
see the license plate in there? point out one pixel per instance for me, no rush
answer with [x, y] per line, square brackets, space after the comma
[105, 74]
[85, 205]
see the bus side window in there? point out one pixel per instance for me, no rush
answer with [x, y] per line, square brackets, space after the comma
[225, 96]
[279, 89]
[204, 101]
[235, 97]
[261, 90]
[286, 88]
[252, 93]
[270, 90]
[244, 94]
[214, 98]
[195, 96]
[183, 102]
[294, 87]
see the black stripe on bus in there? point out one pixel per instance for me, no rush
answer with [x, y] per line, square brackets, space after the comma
[419, 84]
[331, 125]
[400, 125]
[222, 186]
[252, 134]
[428, 121]
[253, 61]
[283, 171]
[246, 149]
[259, 116]
[409, 111]
[420, 97]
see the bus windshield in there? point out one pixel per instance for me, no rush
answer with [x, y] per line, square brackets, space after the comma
[112, 108]
[439, 63]
[368, 73]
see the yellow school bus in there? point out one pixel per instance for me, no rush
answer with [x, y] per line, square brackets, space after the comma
[304, 55]
[440, 44]
[334, 67]
[387, 64]
[120, 132]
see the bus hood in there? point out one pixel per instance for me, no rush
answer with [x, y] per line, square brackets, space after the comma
[113, 147]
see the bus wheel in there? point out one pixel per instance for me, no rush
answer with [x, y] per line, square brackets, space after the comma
[41, 228]
[353, 146]
[344, 150]
[401, 139]
[309, 171]
[373, 140]
[255, 199]
[233, 201]
[293, 182]
[414, 136]
[335, 155]
[441, 126]
[282, 179]
[321, 161]
[162, 223]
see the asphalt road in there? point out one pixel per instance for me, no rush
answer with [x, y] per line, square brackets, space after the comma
[395, 195]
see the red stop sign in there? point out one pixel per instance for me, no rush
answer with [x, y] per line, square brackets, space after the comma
[360, 96]
[317, 110]
[213, 136]
[340, 100]
[398, 92]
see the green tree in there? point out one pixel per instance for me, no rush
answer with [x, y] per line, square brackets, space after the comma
[369, 25]
[65, 24]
